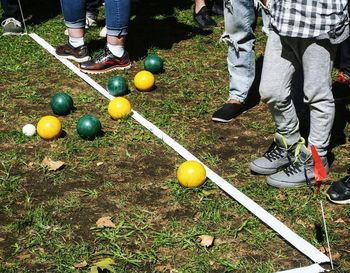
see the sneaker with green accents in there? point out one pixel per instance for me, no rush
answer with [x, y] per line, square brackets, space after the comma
[299, 173]
[278, 158]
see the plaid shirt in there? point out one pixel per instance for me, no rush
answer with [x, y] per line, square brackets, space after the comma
[310, 18]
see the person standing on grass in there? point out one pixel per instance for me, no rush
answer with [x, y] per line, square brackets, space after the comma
[304, 35]
[114, 56]
[240, 20]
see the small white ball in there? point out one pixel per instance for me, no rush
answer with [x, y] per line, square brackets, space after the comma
[29, 130]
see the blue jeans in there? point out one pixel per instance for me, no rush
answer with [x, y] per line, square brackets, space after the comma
[117, 15]
[240, 20]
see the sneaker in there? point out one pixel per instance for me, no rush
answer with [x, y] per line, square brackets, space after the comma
[106, 62]
[91, 19]
[217, 8]
[299, 173]
[339, 192]
[229, 111]
[12, 26]
[203, 19]
[279, 157]
[78, 54]
[103, 32]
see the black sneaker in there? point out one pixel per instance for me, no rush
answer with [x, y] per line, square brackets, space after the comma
[203, 18]
[78, 54]
[218, 8]
[339, 192]
[229, 111]
[106, 62]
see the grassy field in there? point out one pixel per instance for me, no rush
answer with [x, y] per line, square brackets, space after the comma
[48, 218]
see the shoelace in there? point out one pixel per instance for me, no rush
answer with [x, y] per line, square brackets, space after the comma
[11, 20]
[294, 168]
[274, 154]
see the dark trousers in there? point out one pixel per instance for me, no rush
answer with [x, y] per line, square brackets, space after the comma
[345, 56]
[11, 10]
[92, 5]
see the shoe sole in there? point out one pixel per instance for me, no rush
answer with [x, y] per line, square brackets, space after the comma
[258, 170]
[105, 70]
[80, 60]
[12, 33]
[228, 120]
[342, 202]
[284, 185]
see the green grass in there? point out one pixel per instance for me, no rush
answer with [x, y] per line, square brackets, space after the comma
[48, 218]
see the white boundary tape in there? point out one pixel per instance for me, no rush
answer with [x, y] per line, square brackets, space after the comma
[299, 243]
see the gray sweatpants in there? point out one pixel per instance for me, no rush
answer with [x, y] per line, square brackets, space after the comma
[285, 55]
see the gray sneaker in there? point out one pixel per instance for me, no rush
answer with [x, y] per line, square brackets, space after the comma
[299, 173]
[279, 157]
[12, 26]
[91, 19]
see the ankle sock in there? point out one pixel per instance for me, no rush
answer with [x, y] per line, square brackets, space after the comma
[117, 50]
[76, 42]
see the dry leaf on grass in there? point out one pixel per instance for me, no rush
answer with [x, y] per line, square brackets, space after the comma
[105, 222]
[99, 164]
[206, 240]
[52, 165]
[80, 265]
[2, 239]
[340, 221]
[163, 268]
[24, 257]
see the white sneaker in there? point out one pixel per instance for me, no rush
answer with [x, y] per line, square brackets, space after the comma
[103, 32]
[12, 26]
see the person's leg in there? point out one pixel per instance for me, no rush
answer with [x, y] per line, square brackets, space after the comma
[11, 10]
[239, 34]
[316, 57]
[114, 56]
[74, 19]
[275, 89]
[92, 12]
[201, 15]
[317, 61]
[11, 20]
[345, 58]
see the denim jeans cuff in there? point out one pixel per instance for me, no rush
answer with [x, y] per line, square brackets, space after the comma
[76, 24]
[117, 32]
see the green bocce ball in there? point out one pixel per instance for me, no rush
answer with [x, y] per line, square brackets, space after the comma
[153, 63]
[61, 104]
[88, 127]
[117, 86]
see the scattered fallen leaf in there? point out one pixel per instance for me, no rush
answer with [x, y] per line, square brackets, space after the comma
[336, 256]
[80, 265]
[105, 222]
[340, 221]
[30, 164]
[2, 239]
[24, 257]
[105, 264]
[52, 165]
[99, 164]
[163, 268]
[206, 240]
